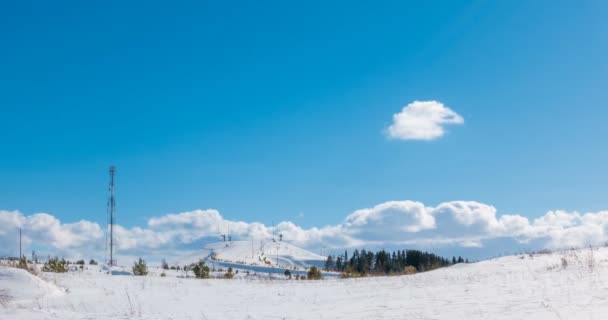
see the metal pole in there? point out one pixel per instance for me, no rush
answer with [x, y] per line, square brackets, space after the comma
[112, 204]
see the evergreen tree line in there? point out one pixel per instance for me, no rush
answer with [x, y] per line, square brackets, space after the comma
[383, 262]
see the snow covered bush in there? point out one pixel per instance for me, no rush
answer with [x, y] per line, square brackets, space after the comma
[140, 268]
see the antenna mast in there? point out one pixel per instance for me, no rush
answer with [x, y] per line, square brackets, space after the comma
[111, 208]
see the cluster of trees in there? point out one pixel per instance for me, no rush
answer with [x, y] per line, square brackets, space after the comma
[383, 262]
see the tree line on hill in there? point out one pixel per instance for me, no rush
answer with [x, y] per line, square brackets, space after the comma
[364, 262]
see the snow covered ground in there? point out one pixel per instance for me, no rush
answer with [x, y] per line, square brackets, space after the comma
[563, 285]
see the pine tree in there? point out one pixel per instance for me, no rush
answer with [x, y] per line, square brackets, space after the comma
[140, 268]
[339, 264]
[329, 263]
[200, 270]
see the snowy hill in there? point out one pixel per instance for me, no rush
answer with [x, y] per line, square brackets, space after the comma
[257, 253]
[562, 285]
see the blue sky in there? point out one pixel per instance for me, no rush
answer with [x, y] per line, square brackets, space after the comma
[273, 111]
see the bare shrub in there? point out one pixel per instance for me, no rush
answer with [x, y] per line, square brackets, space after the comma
[590, 259]
[409, 270]
[5, 298]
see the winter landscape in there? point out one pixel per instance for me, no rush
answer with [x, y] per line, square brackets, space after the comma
[334, 159]
[561, 285]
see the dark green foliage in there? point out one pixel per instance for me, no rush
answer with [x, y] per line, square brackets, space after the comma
[201, 271]
[55, 265]
[365, 262]
[287, 273]
[229, 274]
[314, 273]
[80, 262]
[93, 262]
[140, 268]
[164, 264]
[330, 264]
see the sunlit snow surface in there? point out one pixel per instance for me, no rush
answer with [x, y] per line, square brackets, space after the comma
[563, 285]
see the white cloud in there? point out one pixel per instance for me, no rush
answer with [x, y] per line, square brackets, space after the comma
[465, 224]
[422, 120]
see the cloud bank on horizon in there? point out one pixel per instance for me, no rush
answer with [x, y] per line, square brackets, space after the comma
[405, 224]
[422, 120]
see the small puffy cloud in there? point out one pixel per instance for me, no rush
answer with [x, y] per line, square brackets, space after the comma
[422, 120]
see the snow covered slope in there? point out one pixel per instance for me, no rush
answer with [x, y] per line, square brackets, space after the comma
[260, 253]
[17, 285]
[564, 285]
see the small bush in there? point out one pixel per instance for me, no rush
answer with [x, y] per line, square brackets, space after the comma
[22, 263]
[409, 270]
[80, 262]
[201, 271]
[140, 268]
[93, 262]
[163, 274]
[314, 273]
[287, 273]
[348, 272]
[229, 274]
[55, 265]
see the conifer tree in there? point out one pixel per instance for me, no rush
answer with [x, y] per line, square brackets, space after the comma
[140, 268]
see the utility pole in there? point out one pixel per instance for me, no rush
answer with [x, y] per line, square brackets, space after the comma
[111, 208]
